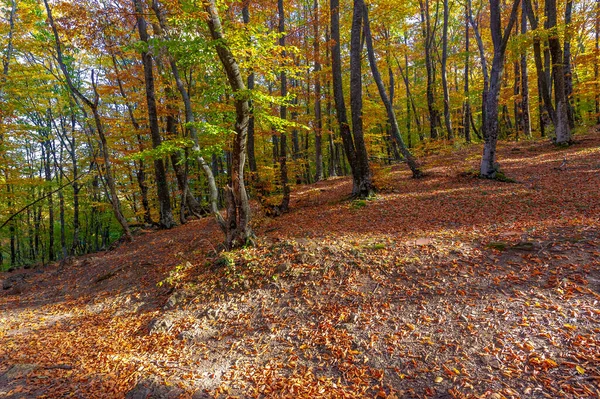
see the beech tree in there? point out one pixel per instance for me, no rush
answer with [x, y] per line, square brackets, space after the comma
[489, 167]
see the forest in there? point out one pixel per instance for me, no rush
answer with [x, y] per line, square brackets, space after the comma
[293, 198]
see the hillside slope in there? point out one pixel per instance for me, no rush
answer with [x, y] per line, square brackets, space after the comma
[448, 286]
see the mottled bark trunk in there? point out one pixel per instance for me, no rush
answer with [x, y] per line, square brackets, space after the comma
[238, 231]
[489, 167]
[562, 129]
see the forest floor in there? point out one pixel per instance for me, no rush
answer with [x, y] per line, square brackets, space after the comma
[444, 287]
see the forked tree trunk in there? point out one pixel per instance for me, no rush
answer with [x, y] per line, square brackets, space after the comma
[489, 168]
[349, 142]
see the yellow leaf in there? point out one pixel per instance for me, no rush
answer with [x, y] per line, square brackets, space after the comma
[570, 326]
[438, 380]
[580, 369]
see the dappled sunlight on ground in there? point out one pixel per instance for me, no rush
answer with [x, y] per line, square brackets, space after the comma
[447, 286]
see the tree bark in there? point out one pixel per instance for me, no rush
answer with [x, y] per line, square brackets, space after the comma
[429, 37]
[562, 129]
[251, 78]
[283, 170]
[318, 111]
[363, 184]
[525, 113]
[489, 168]
[447, 117]
[467, 102]
[568, 69]
[408, 157]
[164, 199]
[238, 231]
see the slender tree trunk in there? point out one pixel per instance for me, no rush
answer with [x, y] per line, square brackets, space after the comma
[447, 117]
[318, 113]
[525, 113]
[285, 201]
[489, 168]
[467, 102]
[114, 198]
[192, 130]
[543, 78]
[164, 199]
[140, 165]
[251, 156]
[567, 62]
[562, 129]
[363, 184]
[428, 37]
[410, 160]
[596, 66]
[484, 70]
[46, 154]
[238, 231]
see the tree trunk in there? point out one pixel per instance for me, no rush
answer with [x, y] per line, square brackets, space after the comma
[467, 102]
[338, 94]
[562, 129]
[543, 79]
[447, 118]
[568, 69]
[251, 156]
[525, 114]
[238, 231]
[489, 168]
[410, 160]
[46, 154]
[363, 184]
[285, 201]
[429, 37]
[318, 113]
[164, 199]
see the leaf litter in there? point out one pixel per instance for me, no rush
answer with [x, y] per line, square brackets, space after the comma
[443, 287]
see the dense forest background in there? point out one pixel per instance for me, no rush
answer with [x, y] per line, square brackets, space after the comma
[118, 114]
